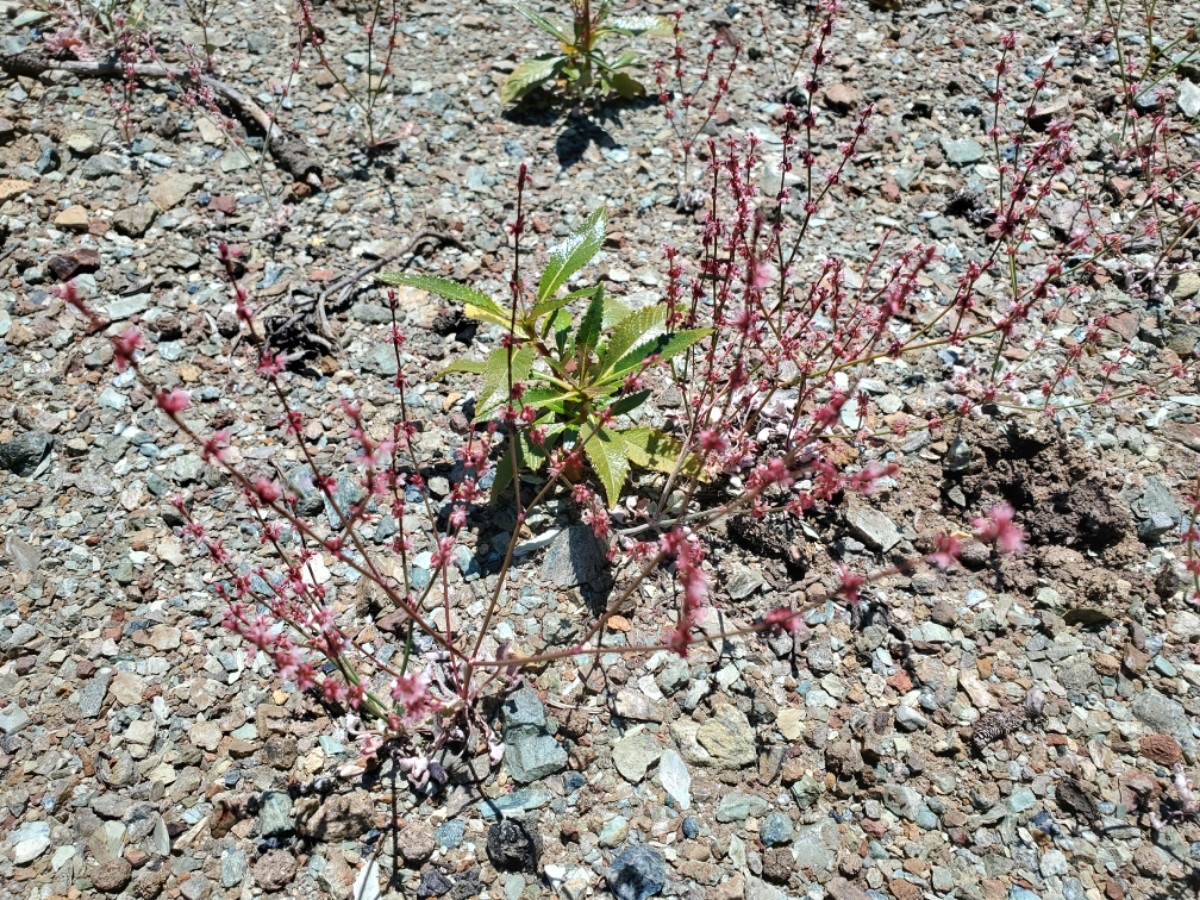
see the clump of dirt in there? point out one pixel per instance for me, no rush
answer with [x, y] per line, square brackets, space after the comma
[1059, 494]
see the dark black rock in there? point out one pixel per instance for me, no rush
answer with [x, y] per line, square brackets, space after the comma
[24, 453]
[637, 873]
[514, 846]
[433, 884]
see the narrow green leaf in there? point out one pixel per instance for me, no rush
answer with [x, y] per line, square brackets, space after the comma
[624, 61]
[681, 340]
[572, 254]
[504, 472]
[606, 452]
[476, 304]
[665, 345]
[471, 366]
[634, 329]
[588, 335]
[628, 403]
[555, 31]
[552, 304]
[529, 75]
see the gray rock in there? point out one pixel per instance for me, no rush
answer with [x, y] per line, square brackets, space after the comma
[807, 791]
[737, 807]
[1054, 863]
[524, 709]
[815, 846]
[29, 841]
[1022, 799]
[931, 633]
[962, 151]
[521, 801]
[531, 756]
[908, 719]
[674, 675]
[126, 307]
[134, 221]
[233, 867]
[873, 528]
[724, 741]
[450, 835]
[1165, 715]
[819, 655]
[103, 164]
[275, 814]
[776, 830]
[902, 800]
[24, 453]
[614, 831]
[1078, 675]
[743, 581]
[634, 754]
[13, 719]
[637, 873]
[574, 558]
[1157, 511]
[92, 694]
[635, 705]
[675, 778]
[187, 468]
[1188, 99]
[108, 841]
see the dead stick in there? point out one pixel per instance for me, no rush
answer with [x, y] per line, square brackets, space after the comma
[289, 151]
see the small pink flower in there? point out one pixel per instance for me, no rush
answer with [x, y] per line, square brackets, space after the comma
[946, 551]
[783, 619]
[998, 528]
[443, 554]
[215, 447]
[268, 491]
[172, 402]
[849, 585]
[125, 347]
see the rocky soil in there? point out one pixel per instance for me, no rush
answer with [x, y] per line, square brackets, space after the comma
[144, 753]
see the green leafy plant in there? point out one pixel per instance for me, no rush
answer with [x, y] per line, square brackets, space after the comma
[579, 67]
[572, 385]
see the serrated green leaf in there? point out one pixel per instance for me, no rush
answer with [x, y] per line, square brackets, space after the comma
[649, 448]
[606, 452]
[555, 31]
[615, 312]
[588, 335]
[544, 398]
[572, 254]
[494, 391]
[476, 304]
[634, 329]
[529, 75]
[552, 304]
[665, 345]
[623, 61]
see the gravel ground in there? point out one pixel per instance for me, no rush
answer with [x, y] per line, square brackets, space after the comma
[144, 753]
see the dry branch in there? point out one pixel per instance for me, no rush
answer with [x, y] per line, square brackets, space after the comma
[289, 151]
